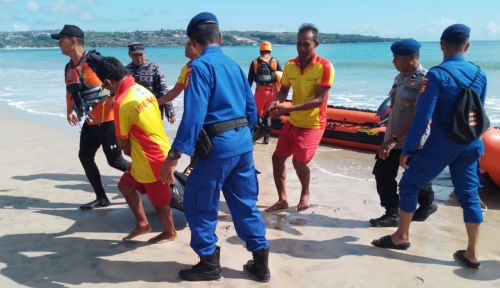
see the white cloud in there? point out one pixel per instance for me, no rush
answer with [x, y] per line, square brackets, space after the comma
[32, 6]
[443, 21]
[20, 27]
[437, 26]
[86, 16]
[494, 28]
[61, 6]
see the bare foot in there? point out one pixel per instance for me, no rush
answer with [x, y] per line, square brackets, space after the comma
[471, 256]
[137, 231]
[398, 239]
[303, 203]
[170, 236]
[280, 205]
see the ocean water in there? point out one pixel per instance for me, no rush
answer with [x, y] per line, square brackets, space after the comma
[32, 80]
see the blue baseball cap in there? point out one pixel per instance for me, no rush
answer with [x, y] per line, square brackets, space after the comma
[201, 18]
[454, 32]
[405, 47]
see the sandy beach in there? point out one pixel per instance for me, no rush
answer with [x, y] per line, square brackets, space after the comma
[46, 241]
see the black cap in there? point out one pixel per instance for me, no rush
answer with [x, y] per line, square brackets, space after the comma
[201, 18]
[135, 48]
[69, 30]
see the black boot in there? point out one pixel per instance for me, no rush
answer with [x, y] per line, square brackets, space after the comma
[207, 269]
[266, 139]
[389, 219]
[259, 266]
[423, 212]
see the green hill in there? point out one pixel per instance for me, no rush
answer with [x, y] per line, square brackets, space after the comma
[167, 38]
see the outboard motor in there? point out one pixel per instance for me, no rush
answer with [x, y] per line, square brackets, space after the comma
[384, 110]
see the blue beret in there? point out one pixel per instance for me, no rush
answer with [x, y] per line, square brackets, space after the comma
[455, 31]
[202, 18]
[405, 47]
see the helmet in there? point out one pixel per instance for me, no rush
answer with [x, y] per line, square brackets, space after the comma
[266, 46]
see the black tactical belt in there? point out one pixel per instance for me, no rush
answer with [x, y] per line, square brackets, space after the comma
[216, 129]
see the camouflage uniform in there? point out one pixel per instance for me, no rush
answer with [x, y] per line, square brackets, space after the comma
[150, 76]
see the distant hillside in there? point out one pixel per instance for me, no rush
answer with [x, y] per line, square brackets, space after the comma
[166, 38]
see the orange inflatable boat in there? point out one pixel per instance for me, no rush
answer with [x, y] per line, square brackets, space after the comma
[348, 127]
[489, 162]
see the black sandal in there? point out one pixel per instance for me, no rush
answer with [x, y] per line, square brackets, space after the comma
[460, 256]
[386, 243]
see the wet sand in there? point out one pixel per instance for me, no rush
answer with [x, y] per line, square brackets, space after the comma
[46, 241]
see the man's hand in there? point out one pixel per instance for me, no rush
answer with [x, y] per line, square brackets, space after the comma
[385, 149]
[167, 171]
[91, 119]
[162, 100]
[171, 119]
[403, 161]
[277, 109]
[72, 118]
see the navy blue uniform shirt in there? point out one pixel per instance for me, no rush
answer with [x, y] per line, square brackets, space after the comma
[439, 100]
[216, 90]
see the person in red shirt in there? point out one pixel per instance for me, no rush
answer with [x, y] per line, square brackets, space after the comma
[190, 53]
[140, 133]
[311, 78]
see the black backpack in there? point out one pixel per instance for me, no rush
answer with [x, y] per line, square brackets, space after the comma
[264, 73]
[469, 120]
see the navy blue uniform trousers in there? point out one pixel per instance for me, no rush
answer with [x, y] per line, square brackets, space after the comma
[236, 177]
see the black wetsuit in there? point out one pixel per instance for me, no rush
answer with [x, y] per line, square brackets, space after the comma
[91, 138]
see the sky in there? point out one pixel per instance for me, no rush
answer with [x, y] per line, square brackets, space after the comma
[423, 20]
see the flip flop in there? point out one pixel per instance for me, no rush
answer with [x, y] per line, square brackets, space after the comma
[386, 243]
[460, 255]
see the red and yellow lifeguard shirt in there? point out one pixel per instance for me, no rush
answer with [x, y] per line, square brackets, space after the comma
[138, 119]
[319, 72]
[102, 112]
[182, 75]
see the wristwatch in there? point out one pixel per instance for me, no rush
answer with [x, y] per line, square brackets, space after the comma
[173, 154]
[395, 138]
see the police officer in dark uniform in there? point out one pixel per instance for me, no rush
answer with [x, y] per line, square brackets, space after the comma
[404, 95]
[219, 100]
[149, 75]
[438, 103]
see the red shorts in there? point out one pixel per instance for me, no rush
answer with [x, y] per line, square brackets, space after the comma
[264, 96]
[299, 142]
[158, 192]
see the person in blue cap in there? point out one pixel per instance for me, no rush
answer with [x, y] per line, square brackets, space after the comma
[404, 95]
[437, 104]
[218, 102]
